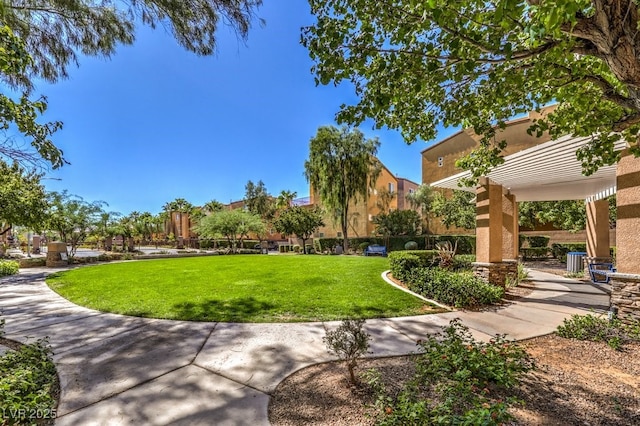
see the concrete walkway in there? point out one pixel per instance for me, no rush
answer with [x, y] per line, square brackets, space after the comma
[124, 370]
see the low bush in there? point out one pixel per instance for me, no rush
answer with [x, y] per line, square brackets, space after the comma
[598, 329]
[403, 262]
[349, 342]
[455, 379]
[459, 289]
[466, 244]
[463, 262]
[8, 267]
[27, 383]
[411, 245]
[534, 253]
[32, 262]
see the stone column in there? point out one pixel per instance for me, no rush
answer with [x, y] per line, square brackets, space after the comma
[598, 229]
[35, 244]
[625, 283]
[108, 243]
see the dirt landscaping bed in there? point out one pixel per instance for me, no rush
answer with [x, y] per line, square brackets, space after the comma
[575, 383]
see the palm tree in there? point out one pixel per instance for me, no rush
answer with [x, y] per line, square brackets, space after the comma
[285, 199]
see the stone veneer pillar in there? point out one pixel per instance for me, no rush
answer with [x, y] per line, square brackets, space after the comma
[625, 295]
[495, 231]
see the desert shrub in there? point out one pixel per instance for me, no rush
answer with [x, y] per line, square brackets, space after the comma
[349, 342]
[454, 381]
[8, 267]
[459, 289]
[363, 246]
[411, 245]
[599, 329]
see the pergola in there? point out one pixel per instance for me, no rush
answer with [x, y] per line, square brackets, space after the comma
[551, 172]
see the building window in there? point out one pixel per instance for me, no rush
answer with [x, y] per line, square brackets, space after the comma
[339, 234]
[411, 191]
[370, 218]
[440, 161]
[375, 192]
[391, 187]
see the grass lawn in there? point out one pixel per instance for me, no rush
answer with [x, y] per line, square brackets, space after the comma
[241, 288]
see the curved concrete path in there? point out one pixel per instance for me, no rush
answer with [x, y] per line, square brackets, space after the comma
[117, 370]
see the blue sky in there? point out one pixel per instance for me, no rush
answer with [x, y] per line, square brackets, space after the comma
[156, 122]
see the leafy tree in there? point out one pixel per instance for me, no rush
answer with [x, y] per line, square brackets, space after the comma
[569, 215]
[301, 221]
[22, 114]
[385, 198]
[106, 226]
[473, 63]
[23, 201]
[422, 199]
[57, 31]
[258, 201]
[73, 218]
[40, 39]
[234, 225]
[397, 222]
[341, 168]
[459, 210]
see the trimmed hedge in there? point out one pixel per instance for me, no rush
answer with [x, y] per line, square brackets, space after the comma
[8, 267]
[559, 251]
[401, 263]
[538, 241]
[466, 243]
[459, 289]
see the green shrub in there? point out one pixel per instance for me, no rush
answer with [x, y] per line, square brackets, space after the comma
[459, 289]
[402, 263]
[8, 267]
[538, 241]
[559, 251]
[463, 262]
[27, 383]
[363, 246]
[534, 253]
[454, 378]
[598, 329]
[296, 248]
[411, 245]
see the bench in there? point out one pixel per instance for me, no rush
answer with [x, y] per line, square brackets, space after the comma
[598, 271]
[373, 250]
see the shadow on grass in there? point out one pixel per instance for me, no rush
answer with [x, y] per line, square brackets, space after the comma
[245, 309]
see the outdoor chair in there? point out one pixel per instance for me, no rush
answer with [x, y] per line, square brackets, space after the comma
[598, 271]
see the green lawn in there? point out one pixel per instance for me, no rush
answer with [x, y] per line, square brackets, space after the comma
[240, 288]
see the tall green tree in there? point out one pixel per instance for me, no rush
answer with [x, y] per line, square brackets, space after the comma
[234, 225]
[212, 206]
[73, 218]
[258, 201]
[422, 198]
[22, 114]
[301, 221]
[42, 38]
[569, 215]
[23, 201]
[415, 65]
[396, 223]
[458, 210]
[341, 168]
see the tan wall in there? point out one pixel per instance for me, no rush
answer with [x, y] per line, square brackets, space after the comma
[460, 144]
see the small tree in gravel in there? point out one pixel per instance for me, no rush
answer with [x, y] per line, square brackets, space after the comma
[349, 342]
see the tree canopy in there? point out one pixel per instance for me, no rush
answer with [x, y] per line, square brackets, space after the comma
[458, 210]
[234, 225]
[301, 221]
[42, 38]
[341, 168]
[477, 63]
[23, 201]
